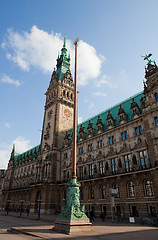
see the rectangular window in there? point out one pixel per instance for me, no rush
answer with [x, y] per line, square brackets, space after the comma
[81, 172]
[144, 159]
[138, 130]
[156, 120]
[100, 144]
[156, 97]
[91, 169]
[114, 165]
[81, 150]
[90, 147]
[111, 140]
[101, 167]
[124, 135]
[127, 161]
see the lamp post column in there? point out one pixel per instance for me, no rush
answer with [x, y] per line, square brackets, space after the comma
[75, 115]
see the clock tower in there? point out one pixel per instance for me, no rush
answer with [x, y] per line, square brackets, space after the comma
[58, 116]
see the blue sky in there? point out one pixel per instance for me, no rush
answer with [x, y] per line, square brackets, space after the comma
[113, 36]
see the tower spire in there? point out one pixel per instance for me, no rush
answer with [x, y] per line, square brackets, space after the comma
[63, 62]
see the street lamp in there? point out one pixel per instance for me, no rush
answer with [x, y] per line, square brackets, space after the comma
[39, 207]
[7, 207]
[21, 201]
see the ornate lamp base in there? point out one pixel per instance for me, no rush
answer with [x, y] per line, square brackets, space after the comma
[72, 218]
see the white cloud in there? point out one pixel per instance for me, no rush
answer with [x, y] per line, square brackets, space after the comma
[105, 81]
[39, 49]
[91, 105]
[86, 100]
[21, 145]
[7, 125]
[80, 120]
[89, 63]
[7, 79]
[100, 94]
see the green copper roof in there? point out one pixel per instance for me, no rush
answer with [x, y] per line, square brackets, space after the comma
[63, 62]
[24, 154]
[126, 105]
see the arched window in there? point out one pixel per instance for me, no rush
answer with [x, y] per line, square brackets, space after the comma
[63, 92]
[102, 192]
[119, 163]
[85, 171]
[91, 193]
[131, 189]
[134, 160]
[67, 94]
[95, 169]
[106, 166]
[71, 96]
[148, 188]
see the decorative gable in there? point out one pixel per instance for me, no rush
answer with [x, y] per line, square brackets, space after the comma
[124, 149]
[139, 144]
[111, 152]
[99, 125]
[89, 158]
[99, 155]
[90, 130]
[81, 133]
[80, 161]
[110, 121]
[134, 109]
[122, 116]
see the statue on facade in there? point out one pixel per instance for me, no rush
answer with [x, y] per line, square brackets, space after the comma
[150, 61]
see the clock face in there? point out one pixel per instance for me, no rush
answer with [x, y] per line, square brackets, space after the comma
[50, 113]
[67, 113]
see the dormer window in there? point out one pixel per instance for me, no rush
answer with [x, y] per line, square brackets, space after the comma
[110, 121]
[134, 109]
[81, 133]
[122, 115]
[90, 130]
[99, 125]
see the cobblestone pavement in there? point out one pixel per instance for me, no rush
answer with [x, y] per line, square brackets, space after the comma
[42, 229]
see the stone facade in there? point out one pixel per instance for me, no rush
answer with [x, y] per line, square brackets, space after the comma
[118, 149]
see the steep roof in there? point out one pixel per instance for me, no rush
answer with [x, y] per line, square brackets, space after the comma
[126, 105]
[24, 154]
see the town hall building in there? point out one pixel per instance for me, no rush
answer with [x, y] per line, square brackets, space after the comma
[117, 149]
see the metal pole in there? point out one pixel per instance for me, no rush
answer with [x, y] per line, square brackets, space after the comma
[75, 115]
